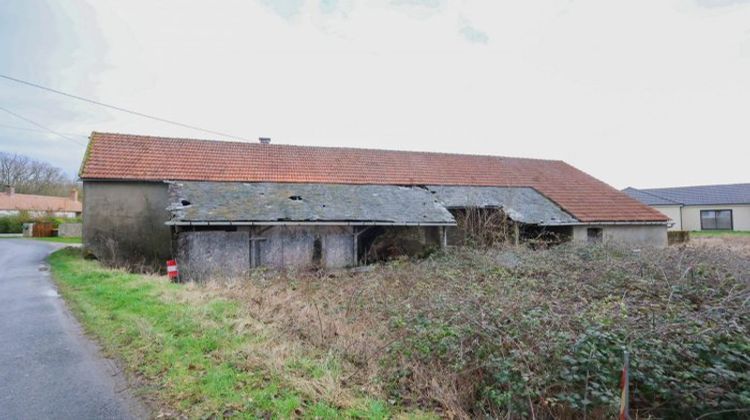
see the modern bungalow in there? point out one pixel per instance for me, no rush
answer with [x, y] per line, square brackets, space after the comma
[222, 206]
[706, 207]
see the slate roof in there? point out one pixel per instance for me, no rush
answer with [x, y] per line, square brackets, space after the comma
[523, 204]
[130, 157]
[41, 203]
[693, 196]
[275, 202]
[648, 198]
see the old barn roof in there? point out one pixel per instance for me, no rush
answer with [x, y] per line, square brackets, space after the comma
[129, 157]
[237, 202]
[523, 205]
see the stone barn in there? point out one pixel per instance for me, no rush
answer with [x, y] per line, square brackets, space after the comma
[224, 207]
[227, 228]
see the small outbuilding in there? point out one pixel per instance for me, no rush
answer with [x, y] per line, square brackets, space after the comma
[227, 228]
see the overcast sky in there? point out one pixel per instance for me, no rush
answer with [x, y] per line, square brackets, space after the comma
[643, 93]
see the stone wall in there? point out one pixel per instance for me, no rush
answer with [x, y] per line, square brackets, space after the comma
[70, 230]
[219, 254]
[306, 246]
[629, 235]
[124, 222]
[213, 254]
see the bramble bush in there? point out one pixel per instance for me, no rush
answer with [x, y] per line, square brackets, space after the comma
[518, 333]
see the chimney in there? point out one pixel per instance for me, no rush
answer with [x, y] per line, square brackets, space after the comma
[74, 194]
[265, 140]
[10, 190]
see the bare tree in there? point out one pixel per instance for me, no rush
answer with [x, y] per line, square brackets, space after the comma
[30, 176]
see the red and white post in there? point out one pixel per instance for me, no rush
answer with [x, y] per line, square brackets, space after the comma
[172, 270]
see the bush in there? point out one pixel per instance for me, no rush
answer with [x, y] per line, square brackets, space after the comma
[532, 333]
[11, 224]
[14, 223]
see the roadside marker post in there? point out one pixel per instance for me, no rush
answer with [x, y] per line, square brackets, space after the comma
[172, 270]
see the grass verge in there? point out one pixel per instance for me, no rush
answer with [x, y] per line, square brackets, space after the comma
[57, 239]
[196, 355]
[718, 233]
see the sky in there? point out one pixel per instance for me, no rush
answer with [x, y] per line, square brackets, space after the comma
[637, 93]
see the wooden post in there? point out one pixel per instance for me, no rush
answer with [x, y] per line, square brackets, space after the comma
[625, 389]
[354, 248]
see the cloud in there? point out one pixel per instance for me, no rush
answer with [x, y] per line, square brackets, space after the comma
[420, 3]
[328, 6]
[286, 8]
[473, 34]
[721, 3]
[403, 74]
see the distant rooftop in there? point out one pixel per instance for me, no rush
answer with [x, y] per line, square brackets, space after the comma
[692, 196]
[11, 201]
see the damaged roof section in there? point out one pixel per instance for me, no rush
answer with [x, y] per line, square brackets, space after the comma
[269, 203]
[521, 204]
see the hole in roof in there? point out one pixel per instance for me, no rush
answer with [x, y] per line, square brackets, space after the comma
[185, 202]
[295, 198]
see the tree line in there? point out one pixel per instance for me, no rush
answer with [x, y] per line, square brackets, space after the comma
[31, 176]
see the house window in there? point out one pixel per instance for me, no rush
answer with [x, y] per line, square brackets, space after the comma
[716, 220]
[594, 235]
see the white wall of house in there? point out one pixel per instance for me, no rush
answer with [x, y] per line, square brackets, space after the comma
[39, 213]
[673, 212]
[689, 217]
[635, 235]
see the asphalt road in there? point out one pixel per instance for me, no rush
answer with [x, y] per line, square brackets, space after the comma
[48, 368]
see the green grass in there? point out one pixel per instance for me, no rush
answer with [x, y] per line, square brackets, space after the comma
[718, 233]
[191, 354]
[72, 240]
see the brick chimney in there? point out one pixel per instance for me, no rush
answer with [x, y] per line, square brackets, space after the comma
[10, 190]
[74, 194]
[264, 140]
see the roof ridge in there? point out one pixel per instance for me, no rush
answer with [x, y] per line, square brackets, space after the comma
[302, 146]
[697, 186]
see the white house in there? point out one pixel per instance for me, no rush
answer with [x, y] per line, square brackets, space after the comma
[705, 207]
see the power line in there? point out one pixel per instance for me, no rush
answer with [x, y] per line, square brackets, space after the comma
[33, 130]
[117, 108]
[30, 121]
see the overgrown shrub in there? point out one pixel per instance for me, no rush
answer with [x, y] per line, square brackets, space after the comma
[11, 224]
[14, 223]
[519, 333]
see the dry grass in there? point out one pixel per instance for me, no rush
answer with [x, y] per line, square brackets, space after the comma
[502, 333]
[737, 244]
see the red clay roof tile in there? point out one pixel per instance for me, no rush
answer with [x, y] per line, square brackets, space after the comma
[131, 157]
[38, 203]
